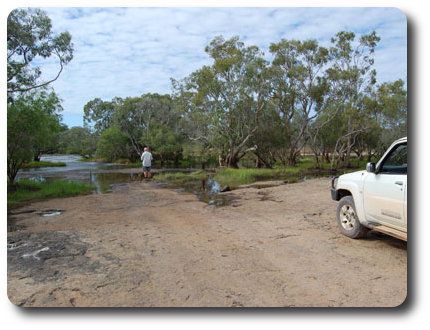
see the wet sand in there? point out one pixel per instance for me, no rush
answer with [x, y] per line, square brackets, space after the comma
[142, 245]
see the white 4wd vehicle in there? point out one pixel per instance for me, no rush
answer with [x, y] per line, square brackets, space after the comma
[376, 198]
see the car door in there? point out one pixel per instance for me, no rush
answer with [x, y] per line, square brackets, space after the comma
[385, 191]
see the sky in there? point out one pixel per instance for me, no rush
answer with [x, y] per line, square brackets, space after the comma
[126, 52]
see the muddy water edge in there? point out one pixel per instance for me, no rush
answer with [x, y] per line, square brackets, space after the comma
[108, 177]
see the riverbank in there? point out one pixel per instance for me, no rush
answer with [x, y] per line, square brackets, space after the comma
[143, 245]
[26, 191]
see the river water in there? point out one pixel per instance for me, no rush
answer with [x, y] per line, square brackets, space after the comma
[104, 177]
[72, 164]
[76, 170]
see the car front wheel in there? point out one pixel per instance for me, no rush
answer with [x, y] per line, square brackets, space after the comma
[347, 219]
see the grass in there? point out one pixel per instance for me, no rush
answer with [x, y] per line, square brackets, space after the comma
[39, 164]
[237, 177]
[89, 159]
[181, 176]
[25, 191]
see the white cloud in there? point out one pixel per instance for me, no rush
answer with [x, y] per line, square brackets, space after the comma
[131, 51]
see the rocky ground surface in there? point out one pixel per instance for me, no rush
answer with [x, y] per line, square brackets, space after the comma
[143, 245]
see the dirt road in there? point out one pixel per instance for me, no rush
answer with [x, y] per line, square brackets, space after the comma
[143, 245]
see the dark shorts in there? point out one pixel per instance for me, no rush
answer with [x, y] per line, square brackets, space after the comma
[147, 168]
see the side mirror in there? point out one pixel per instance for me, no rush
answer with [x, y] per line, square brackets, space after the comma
[370, 167]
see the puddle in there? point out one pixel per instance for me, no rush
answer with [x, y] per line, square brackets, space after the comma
[209, 190]
[206, 190]
[51, 213]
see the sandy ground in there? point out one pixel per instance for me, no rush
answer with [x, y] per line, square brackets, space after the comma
[143, 245]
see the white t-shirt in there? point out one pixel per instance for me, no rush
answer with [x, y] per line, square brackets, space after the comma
[146, 159]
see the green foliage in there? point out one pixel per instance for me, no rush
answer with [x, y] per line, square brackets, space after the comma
[100, 113]
[224, 101]
[31, 123]
[200, 153]
[112, 145]
[30, 40]
[137, 116]
[299, 89]
[78, 140]
[127, 125]
[166, 143]
[242, 110]
[352, 77]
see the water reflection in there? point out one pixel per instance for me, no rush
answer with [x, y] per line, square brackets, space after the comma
[207, 190]
[72, 162]
[105, 182]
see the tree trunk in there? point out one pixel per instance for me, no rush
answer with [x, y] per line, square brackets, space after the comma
[260, 161]
[233, 163]
[316, 160]
[12, 171]
[348, 145]
[292, 158]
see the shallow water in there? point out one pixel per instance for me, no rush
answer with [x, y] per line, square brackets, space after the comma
[51, 213]
[72, 164]
[206, 190]
[105, 182]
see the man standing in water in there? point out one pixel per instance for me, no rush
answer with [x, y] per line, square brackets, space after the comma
[146, 163]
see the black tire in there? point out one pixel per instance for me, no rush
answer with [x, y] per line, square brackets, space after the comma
[347, 219]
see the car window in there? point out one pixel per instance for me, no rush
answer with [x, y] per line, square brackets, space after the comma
[397, 161]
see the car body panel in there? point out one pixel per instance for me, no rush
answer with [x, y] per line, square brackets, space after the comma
[384, 200]
[380, 197]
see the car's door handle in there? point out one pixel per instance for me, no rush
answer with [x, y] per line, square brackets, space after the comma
[399, 183]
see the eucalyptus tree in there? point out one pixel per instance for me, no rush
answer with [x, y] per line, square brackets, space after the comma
[138, 117]
[167, 144]
[387, 110]
[298, 88]
[98, 114]
[227, 98]
[78, 140]
[270, 139]
[352, 76]
[30, 40]
[392, 96]
[200, 140]
[113, 144]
